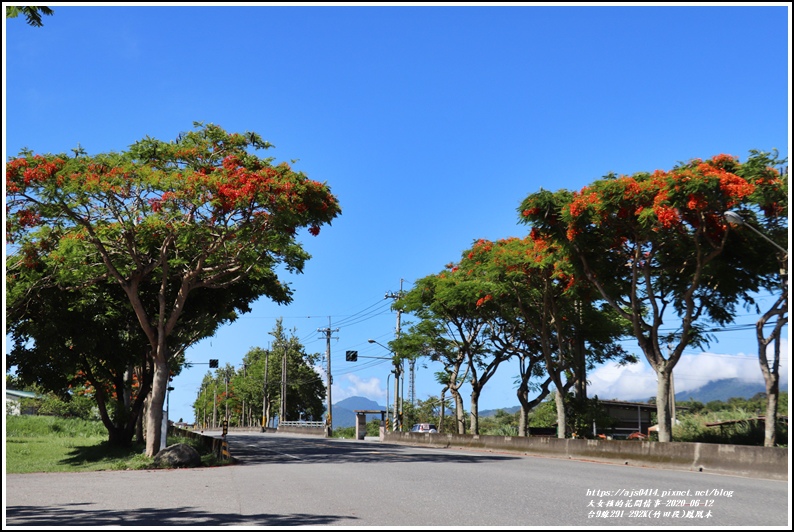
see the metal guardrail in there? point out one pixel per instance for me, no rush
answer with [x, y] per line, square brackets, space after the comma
[307, 424]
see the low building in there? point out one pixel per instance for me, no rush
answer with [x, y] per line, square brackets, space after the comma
[629, 418]
[14, 402]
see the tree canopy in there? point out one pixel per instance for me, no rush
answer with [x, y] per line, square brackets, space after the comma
[32, 14]
[655, 245]
[166, 221]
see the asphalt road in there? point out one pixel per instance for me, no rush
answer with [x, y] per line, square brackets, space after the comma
[284, 481]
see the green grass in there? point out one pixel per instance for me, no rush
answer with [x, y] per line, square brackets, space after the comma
[44, 444]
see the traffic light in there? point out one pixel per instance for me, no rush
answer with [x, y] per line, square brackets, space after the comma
[351, 356]
[213, 362]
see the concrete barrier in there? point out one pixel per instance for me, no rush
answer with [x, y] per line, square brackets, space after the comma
[741, 460]
[309, 431]
[212, 442]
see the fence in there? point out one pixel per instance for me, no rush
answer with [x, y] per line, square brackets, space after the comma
[302, 424]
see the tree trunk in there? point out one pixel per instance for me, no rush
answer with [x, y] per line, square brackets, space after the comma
[154, 416]
[663, 417]
[559, 398]
[523, 425]
[771, 374]
[770, 422]
[580, 368]
[460, 422]
[474, 426]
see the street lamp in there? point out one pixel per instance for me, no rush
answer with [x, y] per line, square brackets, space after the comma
[734, 218]
[397, 371]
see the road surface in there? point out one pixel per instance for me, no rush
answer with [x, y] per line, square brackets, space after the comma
[286, 480]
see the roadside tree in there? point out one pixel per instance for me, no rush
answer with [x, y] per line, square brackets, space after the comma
[654, 245]
[258, 380]
[199, 212]
[768, 210]
[449, 331]
[50, 346]
[536, 301]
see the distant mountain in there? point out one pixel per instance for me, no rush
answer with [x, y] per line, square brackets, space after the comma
[723, 390]
[720, 390]
[489, 413]
[344, 411]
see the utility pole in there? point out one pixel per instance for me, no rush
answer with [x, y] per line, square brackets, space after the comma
[283, 409]
[411, 383]
[264, 391]
[328, 419]
[398, 369]
[242, 414]
[215, 406]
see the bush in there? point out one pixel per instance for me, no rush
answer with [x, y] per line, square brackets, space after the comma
[347, 433]
[49, 404]
[746, 430]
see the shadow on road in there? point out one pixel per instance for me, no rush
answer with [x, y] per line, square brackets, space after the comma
[57, 516]
[257, 450]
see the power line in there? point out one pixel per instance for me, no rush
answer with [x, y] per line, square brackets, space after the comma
[345, 321]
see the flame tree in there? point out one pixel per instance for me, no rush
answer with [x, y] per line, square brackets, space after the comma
[194, 214]
[768, 208]
[654, 245]
[50, 347]
[450, 329]
[534, 293]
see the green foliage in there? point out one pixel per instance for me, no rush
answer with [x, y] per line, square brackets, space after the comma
[74, 406]
[429, 411]
[38, 426]
[347, 433]
[693, 418]
[502, 423]
[373, 427]
[668, 229]
[544, 415]
[44, 444]
[305, 387]
[199, 221]
[32, 14]
[747, 430]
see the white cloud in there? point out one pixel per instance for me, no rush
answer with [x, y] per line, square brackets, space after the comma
[611, 381]
[638, 381]
[351, 385]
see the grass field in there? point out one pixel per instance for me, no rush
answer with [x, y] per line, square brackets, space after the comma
[45, 444]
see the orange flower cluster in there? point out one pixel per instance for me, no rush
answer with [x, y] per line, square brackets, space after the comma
[581, 201]
[696, 202]
[667, 216]
[483, 300]
[36, 171]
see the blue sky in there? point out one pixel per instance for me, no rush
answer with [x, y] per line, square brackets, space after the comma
[429, 123]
